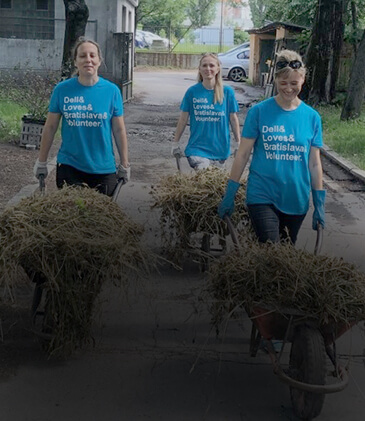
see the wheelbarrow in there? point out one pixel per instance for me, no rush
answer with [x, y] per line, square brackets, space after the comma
[38, 310]
[206, 242]
[310, 343]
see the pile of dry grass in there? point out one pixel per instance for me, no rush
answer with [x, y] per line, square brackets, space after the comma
[77, 239]
[189, 204]
[280, 276]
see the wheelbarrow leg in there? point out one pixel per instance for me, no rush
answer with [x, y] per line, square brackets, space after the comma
[205, 247]
[254, 341]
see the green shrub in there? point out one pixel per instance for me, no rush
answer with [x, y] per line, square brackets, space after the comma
[10, 120]
[29, 90]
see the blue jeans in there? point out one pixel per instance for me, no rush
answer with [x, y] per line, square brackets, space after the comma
[270, 224]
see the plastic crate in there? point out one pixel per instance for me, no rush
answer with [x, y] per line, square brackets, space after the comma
[31, 134]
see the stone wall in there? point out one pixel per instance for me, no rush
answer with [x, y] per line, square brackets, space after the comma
[181, 61]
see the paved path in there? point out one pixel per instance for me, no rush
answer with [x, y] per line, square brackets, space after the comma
[156, 356]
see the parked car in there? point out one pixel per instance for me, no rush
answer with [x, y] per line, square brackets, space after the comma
[237, 47]
[235, 64]
[149, 37]
[139, 41]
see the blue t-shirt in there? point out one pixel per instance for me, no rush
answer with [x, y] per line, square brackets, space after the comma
[279, 171]
[87, 113]
[209, 122]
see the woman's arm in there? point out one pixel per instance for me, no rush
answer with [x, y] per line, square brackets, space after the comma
[181, 124]
[120, 137]
[48, 134]
[235, 124]
[315, 168]
[242, 157]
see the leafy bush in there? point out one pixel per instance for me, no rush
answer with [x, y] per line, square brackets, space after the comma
[240, 36]
[30, 90]
[10, 120]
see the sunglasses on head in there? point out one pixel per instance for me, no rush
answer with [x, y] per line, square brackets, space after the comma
[294, 64]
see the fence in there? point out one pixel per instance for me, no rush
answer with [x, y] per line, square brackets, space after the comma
[185, 39]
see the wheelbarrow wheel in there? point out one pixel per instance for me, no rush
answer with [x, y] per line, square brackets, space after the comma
[307, 364]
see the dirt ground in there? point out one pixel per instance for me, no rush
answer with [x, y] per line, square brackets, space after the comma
[150, 129]
[16, 168]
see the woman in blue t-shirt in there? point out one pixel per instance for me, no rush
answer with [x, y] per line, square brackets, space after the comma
[211, 108]
[91, 109]
[285, 135]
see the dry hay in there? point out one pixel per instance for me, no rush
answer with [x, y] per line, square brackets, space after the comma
[189, 203]
[77, 239]
[279, 276]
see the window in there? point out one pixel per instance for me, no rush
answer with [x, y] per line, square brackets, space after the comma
[42, 4]
[244, 55]
[5, 4]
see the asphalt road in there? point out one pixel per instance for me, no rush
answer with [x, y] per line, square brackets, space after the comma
[156, 356]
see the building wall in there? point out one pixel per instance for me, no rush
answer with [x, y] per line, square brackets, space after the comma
[28, 20]
[105, 18]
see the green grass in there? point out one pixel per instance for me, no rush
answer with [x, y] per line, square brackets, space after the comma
[10, 121]
[347, 138]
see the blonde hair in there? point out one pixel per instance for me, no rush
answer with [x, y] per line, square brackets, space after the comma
[289, 56]
[218, 87]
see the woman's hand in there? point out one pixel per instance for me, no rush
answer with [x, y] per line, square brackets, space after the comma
[124, 172]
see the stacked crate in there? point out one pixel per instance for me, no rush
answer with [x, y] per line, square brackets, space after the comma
[31, 132]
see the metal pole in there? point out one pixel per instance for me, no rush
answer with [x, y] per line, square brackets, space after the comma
[221, 28]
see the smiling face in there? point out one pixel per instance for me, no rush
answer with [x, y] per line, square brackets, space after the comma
[209, 68]
[289, 86]
[87, 60]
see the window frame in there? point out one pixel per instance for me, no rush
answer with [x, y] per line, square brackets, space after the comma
[4, 7]
[42, 9]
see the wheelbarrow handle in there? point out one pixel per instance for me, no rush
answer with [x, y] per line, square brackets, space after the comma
[117, 188]
[319, 240]
[232, 232]
[42, 184]
[178, 157]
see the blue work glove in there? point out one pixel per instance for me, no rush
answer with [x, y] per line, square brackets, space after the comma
[226, 207]
[319, 197]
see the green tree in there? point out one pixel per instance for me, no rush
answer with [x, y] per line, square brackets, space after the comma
[323, 55]
[201, 12]
[161, 13]
[258, 11]
[299, 12]
[77, 14]
[356, 90]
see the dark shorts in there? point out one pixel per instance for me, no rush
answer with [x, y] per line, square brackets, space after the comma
[104, 183]
[272, 225]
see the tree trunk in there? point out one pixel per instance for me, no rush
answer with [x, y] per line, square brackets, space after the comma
[356, 89]
[323, 54]
[77, 14]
